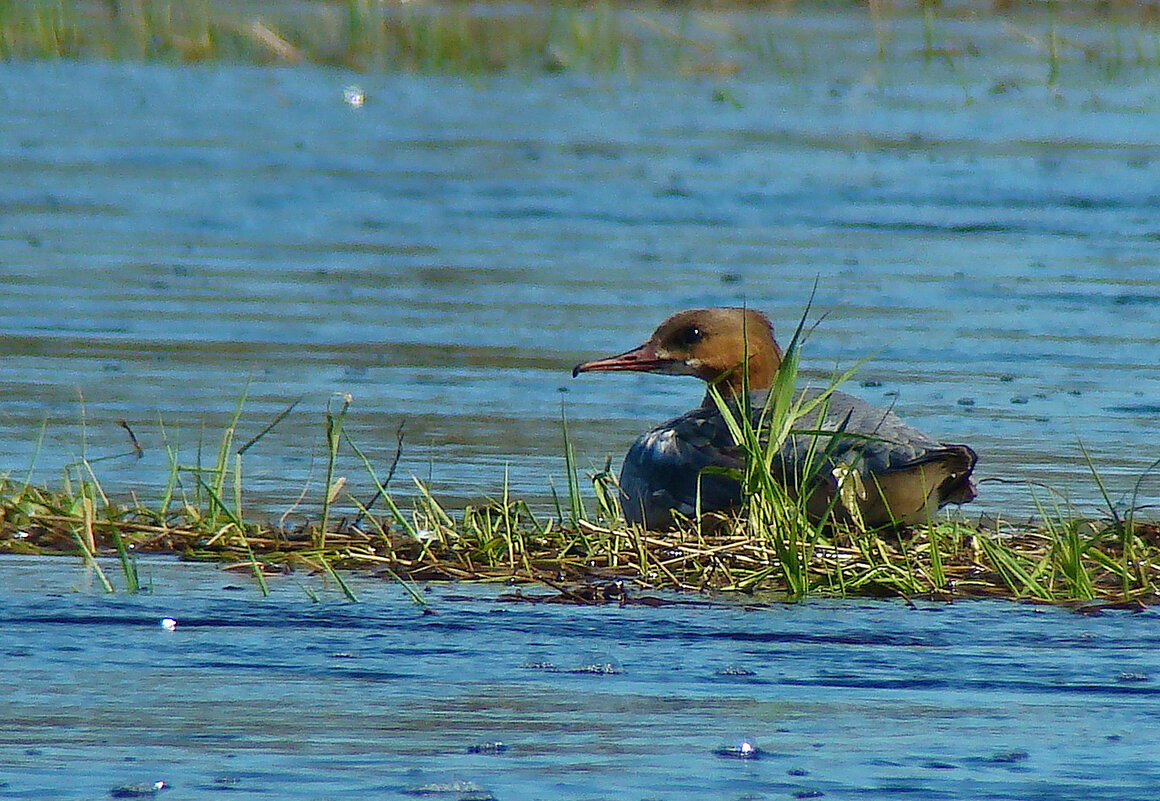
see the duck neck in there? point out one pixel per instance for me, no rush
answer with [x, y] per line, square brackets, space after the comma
[733, 383]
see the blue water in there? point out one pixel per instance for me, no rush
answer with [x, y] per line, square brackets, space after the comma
[173, 238]
[176, 237]
[284, 698]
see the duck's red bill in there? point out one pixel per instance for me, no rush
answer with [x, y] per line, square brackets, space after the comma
[642, 359]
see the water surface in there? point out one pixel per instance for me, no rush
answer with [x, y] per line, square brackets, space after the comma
[288, 699]
[173, 237]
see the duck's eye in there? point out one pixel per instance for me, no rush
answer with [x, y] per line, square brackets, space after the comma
[691, 335]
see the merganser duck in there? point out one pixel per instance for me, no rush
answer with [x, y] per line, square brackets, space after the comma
[906, 476]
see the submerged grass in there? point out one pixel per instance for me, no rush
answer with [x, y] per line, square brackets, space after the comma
[773, 548]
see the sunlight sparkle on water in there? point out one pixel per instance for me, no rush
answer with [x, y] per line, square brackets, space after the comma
[354, 96]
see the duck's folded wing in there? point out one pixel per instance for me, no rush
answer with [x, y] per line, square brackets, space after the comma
[873, 440]
[665, 470]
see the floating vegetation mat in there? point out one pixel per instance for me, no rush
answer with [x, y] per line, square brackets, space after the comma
[1074, 561]
[583, 550]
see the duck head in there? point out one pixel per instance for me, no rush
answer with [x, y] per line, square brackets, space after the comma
[711, 344]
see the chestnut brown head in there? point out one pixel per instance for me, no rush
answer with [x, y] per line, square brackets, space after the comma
[711, 344]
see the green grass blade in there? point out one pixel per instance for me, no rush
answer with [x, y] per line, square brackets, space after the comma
[575, 502]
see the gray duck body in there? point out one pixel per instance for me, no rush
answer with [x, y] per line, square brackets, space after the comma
[907, 474]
